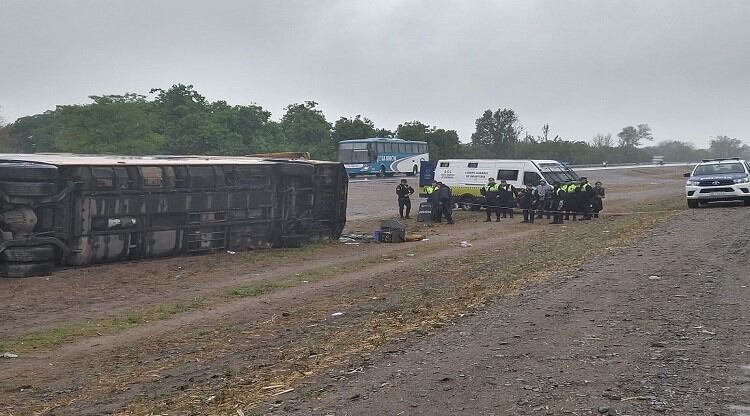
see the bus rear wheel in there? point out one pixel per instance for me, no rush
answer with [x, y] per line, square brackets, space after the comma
[414, 171]
[381, 172]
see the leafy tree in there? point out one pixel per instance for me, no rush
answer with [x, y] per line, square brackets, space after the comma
[603, 140]
[677, 151]
[498, 131]
[353, 128]
[725, 146]
[632, 136]
[307, 130]
[112, 124]
[443, 144]
[35, 133]
[384, 133]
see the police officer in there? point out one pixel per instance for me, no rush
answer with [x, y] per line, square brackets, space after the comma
[430, 191]
[491, 193]
[558, 200]
[507, 198]
[585, 198]
[527, 201]
[444, 197]
[598, 204]
[570, 201]
[404, 190]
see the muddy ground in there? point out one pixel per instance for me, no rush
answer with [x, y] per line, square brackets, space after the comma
[314, 330]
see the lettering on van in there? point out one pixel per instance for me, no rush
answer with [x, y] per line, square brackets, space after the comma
[476, 174]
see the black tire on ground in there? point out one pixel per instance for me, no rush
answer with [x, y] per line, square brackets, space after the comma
[692, 203]
[29, 188]
[42, 268]
[28, 254]
[27, 172]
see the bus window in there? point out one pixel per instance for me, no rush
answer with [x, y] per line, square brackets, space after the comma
[507, 174]
[353, 153]
[381, 147]
[402, 148]
[531, 178]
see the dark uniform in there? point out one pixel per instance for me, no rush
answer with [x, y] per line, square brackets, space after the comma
[403, 190]
[507, 198]
[585, 198]
[491, 193]
[444, 198]
[430, 192]
[527, 200]
[597, 205]
[570, 201]
[557, 202]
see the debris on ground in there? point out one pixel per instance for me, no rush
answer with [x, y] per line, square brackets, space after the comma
[337, 313]
[654, 277]
[414, 237]
[231, 252]
[9, 355]
[465, 244]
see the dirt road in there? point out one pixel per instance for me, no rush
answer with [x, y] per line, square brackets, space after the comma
[659, 327]
[212, 334]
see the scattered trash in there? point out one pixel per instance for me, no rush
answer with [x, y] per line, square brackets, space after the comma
[654, 277]
[231, 252]
[353, 239]
[465, 244]
[337, 313]
[9, 355]
[278, 393]
[273, 386]
[605, 231]
[210, 399]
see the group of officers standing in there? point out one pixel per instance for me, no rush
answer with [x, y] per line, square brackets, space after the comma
[558, 202]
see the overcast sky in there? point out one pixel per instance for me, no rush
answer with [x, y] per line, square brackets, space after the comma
[584, 67]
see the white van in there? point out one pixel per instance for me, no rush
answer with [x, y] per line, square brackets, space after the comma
[465, 177]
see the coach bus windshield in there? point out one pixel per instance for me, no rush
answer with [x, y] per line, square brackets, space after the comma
[555, 172]
[353, 153]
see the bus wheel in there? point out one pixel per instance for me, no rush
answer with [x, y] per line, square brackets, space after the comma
[414, 171]
[381, 173]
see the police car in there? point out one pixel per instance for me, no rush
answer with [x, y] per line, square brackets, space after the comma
[718, 180]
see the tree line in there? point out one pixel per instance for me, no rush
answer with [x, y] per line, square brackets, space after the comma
[179, 120]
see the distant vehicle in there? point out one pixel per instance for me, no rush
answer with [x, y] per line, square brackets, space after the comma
[718, 180]
[74, 210]
[658, 160]
[467, 176]
[382, 156]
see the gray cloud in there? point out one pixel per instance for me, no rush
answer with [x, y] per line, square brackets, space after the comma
[584, 67]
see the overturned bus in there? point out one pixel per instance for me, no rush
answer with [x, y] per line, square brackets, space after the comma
[75, 210]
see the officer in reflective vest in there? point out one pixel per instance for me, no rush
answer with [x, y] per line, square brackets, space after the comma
[429, 190]
[491, 195]
[585, 198]
[570, 203]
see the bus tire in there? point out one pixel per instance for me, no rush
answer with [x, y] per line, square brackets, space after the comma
[414, 171]
[28, 254]
[42, 268]
[381, 172]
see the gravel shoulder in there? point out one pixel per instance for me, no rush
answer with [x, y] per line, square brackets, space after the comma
[659, 327]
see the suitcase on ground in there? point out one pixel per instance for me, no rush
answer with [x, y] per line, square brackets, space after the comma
[425, 212]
